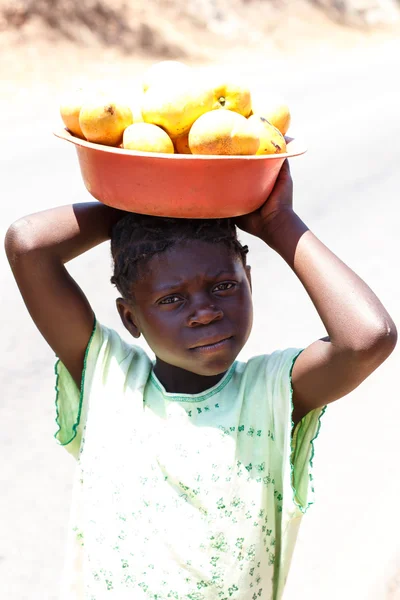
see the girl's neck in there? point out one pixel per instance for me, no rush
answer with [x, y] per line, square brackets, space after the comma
[178, 381]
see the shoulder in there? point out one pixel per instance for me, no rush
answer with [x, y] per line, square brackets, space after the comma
[266, 380]
[111, 342]
[108, 354]
[269, 367]
[111, 366]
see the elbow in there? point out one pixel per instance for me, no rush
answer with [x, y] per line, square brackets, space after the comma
[378, 345]
[390, 337]
[18, 240]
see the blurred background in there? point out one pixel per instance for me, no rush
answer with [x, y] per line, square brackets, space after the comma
[337, 62]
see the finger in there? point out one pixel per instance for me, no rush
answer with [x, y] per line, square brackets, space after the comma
[283, 172]
[284, 180]
[285, 169]
[283, 175]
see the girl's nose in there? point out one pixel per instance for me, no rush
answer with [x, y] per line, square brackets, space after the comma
[205, 315]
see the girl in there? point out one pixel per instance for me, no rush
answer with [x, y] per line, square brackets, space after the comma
[193, 470]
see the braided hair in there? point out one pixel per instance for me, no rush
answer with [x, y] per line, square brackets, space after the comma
[137, 238]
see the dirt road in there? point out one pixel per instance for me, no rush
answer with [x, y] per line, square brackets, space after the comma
[347, 191]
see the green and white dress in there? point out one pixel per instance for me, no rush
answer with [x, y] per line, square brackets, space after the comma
[186, 497]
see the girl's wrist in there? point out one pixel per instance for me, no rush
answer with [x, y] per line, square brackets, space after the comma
[282, 233]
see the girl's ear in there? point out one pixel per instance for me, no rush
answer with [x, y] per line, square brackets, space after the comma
[127, 317]
[248, 273]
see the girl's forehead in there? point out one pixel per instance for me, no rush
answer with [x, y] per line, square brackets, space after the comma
[188, 261]
[197, 255]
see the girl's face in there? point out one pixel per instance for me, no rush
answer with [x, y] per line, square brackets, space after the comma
[193, 305]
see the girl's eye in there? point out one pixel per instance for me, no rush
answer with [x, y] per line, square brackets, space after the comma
[170, 300]
[222, 287]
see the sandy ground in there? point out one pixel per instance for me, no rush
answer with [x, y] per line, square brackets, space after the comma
[345, 105]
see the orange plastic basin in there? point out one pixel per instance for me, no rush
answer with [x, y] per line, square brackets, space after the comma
[178, 185]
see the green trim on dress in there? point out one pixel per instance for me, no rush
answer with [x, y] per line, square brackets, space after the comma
[294, 439]
[194, 397]
[76, 424]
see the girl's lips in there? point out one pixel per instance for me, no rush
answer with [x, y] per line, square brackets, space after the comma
[213, 347]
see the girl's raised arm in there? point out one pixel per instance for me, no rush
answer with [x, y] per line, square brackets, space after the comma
[361, 334]
[37, 247]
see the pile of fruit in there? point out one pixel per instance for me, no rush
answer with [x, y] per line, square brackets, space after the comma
[181, 111]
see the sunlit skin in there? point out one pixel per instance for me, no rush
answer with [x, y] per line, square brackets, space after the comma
[193, 305]
[360, 332]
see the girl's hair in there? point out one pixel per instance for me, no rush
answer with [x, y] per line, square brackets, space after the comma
[137, 238]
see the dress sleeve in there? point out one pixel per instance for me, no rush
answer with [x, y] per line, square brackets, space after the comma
[110, 366]
[69, 398]
[297, 445]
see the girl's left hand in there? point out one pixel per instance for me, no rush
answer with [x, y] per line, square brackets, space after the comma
[263, 221]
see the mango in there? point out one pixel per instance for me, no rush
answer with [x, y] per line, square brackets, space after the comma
[223, 132]
[147, 138]
[104, 122]
[175, 109]
[271, 139]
